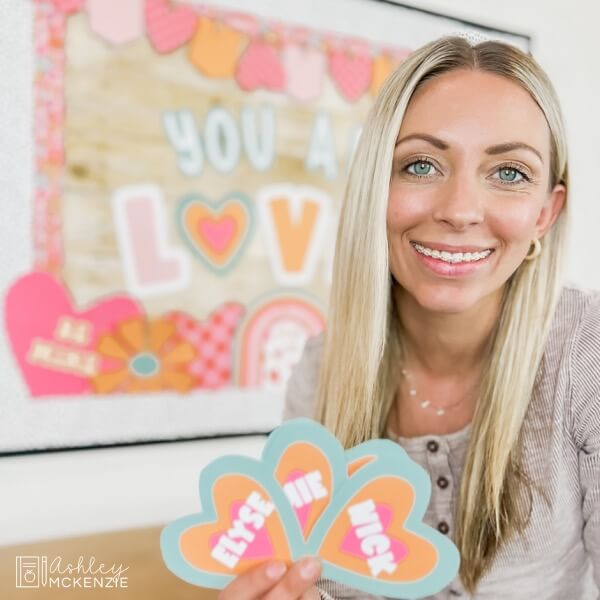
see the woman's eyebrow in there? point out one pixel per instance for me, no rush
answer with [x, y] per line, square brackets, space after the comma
[495, 149]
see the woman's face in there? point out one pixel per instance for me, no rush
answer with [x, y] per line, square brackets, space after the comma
[474, 176]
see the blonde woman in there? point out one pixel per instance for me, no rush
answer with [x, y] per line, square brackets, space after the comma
[450, 329]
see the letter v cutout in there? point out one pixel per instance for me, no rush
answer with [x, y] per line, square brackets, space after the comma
[295, 220]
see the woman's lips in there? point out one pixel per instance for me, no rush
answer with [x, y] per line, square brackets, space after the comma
[445, 269]
[451, 248]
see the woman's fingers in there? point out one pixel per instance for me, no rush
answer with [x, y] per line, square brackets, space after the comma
[311, 594]
[298, 580]
[274, 581]
[254, 583]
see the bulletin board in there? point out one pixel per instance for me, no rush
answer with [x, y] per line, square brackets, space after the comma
[187, 167]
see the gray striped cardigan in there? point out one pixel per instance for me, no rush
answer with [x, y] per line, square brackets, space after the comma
[558, 555]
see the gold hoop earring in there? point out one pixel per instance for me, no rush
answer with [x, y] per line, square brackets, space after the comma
[537, 248]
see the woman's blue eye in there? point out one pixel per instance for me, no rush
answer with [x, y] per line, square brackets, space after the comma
[421, 168]
[510, 173]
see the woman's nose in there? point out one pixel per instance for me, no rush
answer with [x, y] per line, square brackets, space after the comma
[460, 202]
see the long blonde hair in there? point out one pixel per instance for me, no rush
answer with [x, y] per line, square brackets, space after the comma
[362, 349]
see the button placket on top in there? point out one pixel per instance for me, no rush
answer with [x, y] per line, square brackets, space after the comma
[433, 453]
[442, 483]
[442, 493]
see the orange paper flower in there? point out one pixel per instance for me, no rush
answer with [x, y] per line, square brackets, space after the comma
[149, 357]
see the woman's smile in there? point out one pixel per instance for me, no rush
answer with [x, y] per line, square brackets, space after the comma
[447, 264]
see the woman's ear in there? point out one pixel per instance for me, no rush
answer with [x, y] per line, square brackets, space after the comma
[553, 205]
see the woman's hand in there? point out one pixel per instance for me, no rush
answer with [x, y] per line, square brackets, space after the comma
[274, 581]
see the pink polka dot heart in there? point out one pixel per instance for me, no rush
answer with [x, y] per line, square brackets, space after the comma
[169, 27]
[68, 7]
[212, 339]
[260, 66]
[351, 73]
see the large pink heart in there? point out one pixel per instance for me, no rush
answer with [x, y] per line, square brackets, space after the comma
[351, 73]
[33, 308]
[169, 28]
[260, 66]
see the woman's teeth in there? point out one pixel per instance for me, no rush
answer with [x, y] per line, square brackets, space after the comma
[452, 257]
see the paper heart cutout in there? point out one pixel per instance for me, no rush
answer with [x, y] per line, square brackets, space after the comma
[169, 27]
[351, 544]
[421, 557]
[236, 548]
[370, 536]
[308, 489]
[355, 465]
[260, 547]
[239, 501]
[68, 7]
[351, 73]
[302, 496]
[383, 65]
[216, 233]
[357, 458]
[304, 69]
[259, 66]
[215, 48]
[213, 341]
[32, 323]
[398, 555]
[116, 21]
[368, 452]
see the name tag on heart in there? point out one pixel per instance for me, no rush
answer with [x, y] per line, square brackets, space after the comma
[359, 510]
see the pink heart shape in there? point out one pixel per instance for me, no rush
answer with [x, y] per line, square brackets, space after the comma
[304, 68]
[351, 73]
[260, 547]
[68, 7]
[33, 307]
[169, 27]
[303, 512]
[213, 340]
[260, 66]
[351, 543]
[217, 232]
[116, 21]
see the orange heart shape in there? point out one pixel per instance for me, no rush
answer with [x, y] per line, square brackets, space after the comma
[359, 463]
[248, 531]
[216, 233]
[383, 65]
[369, 537]
[215, 48]
[309, 489]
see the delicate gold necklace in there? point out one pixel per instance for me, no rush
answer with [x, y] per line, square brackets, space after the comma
[427, 404]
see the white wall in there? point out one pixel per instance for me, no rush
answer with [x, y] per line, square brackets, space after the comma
[69, 493]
